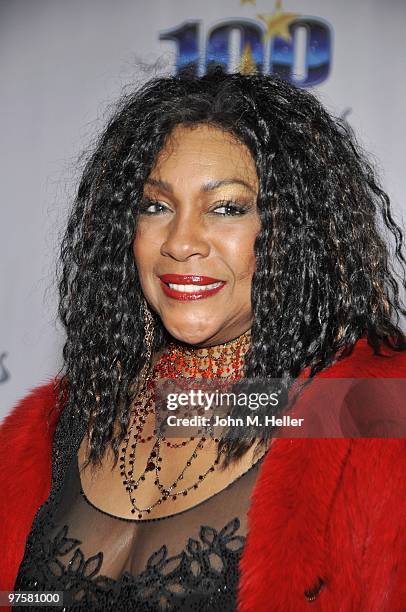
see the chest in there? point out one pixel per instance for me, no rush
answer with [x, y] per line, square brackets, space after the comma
[179, 478]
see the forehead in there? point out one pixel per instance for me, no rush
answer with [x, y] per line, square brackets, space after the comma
[203, 149]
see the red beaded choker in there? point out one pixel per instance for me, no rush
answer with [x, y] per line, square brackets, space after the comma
[178, 361]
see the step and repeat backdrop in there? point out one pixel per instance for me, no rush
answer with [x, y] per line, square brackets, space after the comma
[63, 65]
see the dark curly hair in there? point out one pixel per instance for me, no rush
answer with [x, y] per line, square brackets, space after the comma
[324, 276]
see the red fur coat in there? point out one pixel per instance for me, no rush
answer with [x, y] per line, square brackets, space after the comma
[326, 522]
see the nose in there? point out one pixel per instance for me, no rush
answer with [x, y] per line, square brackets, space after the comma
[185, 237]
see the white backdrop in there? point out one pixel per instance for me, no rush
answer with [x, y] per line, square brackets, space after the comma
[64, 61]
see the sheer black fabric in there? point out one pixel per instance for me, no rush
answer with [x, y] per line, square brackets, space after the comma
[186, 561]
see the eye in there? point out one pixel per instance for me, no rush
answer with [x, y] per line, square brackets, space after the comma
[228, 208]
[151, 207]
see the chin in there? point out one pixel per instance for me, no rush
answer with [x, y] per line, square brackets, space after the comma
[189, 335]
[192, 339]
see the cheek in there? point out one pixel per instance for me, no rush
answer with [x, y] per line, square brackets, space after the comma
[143, 246]
[238, 250]
[138, 250]
[246, 268]
[141, 253]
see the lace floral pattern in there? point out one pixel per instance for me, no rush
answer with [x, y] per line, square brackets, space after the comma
[203, 576]
[106, 563]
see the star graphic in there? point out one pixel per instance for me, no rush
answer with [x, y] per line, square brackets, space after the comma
[278, 23]
[247, 63]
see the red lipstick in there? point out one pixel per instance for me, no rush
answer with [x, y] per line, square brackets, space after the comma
[174, 286]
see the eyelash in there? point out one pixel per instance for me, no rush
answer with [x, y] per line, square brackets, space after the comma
[238, 209]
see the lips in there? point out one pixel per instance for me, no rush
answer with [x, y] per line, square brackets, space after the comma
[190, 286]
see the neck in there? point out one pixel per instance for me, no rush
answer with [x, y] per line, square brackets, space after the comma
[202, 350]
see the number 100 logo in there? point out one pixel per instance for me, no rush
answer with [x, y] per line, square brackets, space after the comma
[303, 57]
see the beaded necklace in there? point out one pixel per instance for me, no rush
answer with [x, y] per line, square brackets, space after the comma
[178, 361]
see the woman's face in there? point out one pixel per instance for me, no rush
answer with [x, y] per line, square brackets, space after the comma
[194, 243]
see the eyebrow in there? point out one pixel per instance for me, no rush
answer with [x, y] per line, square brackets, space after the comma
[209, 186]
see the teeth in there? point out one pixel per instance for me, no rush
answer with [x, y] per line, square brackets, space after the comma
[193, 288]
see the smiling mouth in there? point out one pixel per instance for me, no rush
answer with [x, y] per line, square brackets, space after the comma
[190, 287]
[193, 288]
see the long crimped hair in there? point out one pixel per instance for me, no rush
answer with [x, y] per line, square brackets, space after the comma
[323, 272]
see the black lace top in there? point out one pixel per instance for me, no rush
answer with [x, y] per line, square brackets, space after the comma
[186, 561]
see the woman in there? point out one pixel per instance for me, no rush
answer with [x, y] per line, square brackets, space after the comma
[225, 226]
